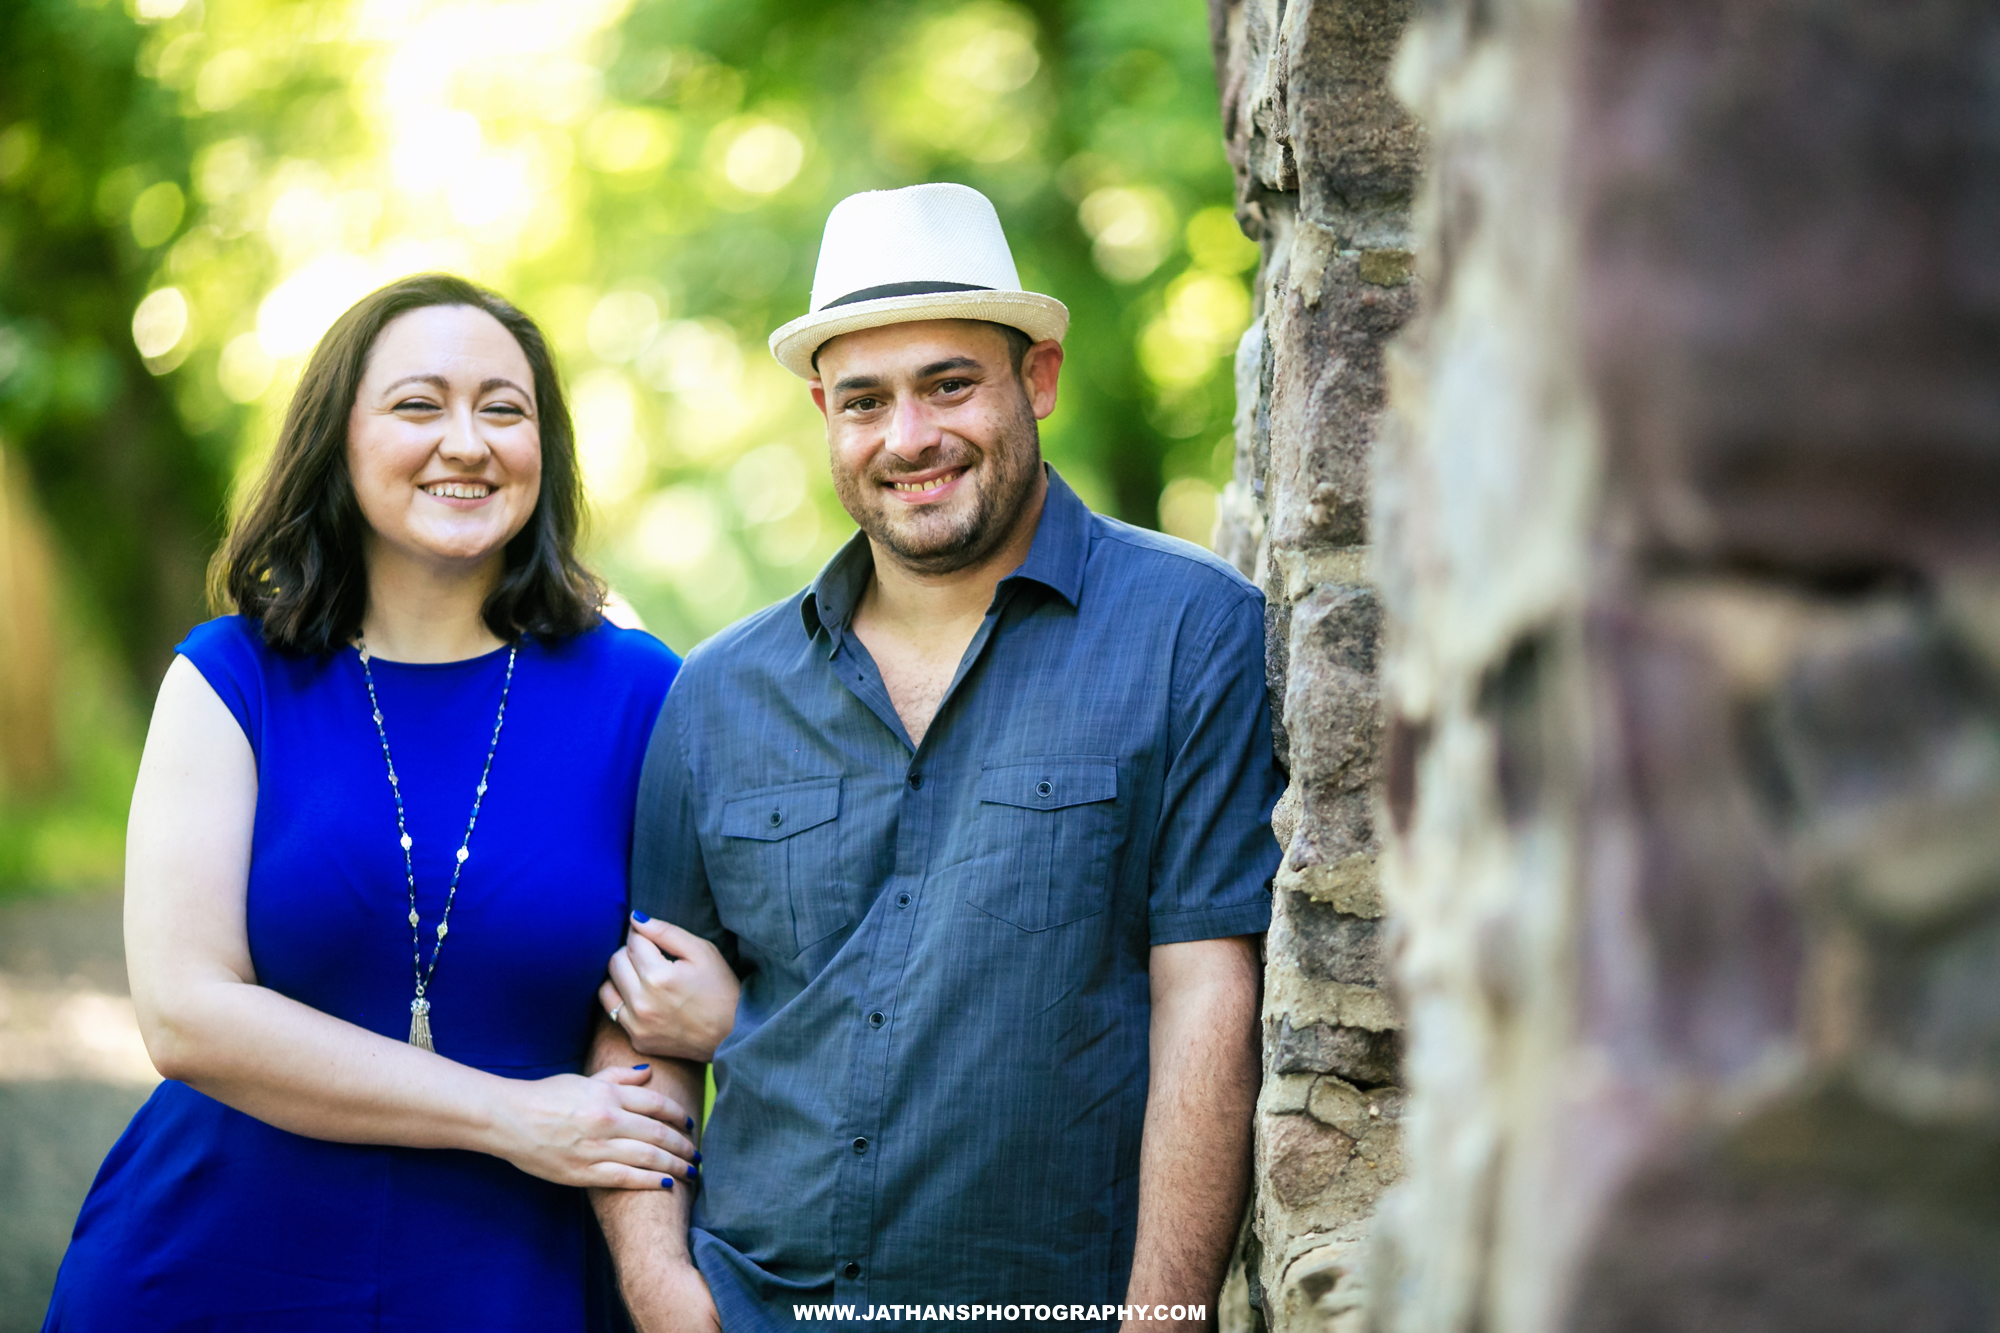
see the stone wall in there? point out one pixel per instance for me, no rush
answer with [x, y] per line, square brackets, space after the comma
[1687, 531]
[1326, 163]
[1660, 622]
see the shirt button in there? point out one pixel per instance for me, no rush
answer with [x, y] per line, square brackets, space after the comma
[851, 1270]
[777, 818]
[902, 900]
[860, 1147]
[1043, 788]
[916, 782]
[876, 1019]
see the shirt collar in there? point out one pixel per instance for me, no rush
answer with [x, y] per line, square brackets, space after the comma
[1062, 543]
[1055, 560]
[831, 600]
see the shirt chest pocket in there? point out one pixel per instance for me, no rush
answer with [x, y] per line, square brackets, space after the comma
[778, 871]
[1047, 830]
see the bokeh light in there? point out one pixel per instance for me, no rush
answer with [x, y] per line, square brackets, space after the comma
[160, 322]
[649, 181]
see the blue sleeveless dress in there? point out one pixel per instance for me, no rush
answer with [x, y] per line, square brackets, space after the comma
[205, 1218]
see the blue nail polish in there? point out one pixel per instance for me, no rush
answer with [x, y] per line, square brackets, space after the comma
[642, 1066]
[693, 1171]
[697, 1158]
[638, 915]
[666, 1182]
[690, 1124]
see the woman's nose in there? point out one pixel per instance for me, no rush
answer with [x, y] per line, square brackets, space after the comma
[462, 439]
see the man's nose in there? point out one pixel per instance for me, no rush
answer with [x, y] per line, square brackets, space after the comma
[912, 432]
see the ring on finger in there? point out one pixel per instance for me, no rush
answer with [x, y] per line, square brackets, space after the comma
[617, 1010]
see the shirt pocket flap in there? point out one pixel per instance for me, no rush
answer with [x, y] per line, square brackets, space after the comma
[1051, 783]
[779, 812]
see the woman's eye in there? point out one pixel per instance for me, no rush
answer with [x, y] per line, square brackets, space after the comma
[416, 405]
[505, 410]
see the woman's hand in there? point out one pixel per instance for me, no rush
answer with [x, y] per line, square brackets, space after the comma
[609, 1130]
[671, 991]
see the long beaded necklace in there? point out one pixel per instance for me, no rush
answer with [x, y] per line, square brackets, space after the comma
[420, 1007]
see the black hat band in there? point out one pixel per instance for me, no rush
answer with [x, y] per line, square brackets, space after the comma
[888, 289]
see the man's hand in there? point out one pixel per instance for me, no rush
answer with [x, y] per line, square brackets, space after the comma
[670, 1297]
[1194, 1161]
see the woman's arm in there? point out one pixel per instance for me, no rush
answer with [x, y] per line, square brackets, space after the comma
[209, 1024]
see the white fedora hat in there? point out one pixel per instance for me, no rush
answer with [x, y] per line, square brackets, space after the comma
[925, 252]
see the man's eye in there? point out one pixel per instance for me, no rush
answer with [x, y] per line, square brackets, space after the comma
[862, 404]
[953, 386]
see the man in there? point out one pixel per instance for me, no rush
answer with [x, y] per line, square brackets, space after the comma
[982, 821]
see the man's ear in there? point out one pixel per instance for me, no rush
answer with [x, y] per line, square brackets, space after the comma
[819, 395]
[1041, 367]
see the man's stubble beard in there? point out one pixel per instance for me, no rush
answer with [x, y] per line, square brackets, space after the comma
[929, 546]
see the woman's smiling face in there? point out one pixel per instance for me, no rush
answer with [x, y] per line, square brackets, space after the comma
[443, 444]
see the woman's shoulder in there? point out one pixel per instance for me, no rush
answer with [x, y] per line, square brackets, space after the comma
[231, 655]
[230, 636]
[229, 651]
[611, 652]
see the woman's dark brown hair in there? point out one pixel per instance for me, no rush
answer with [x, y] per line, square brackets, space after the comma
[293, 560]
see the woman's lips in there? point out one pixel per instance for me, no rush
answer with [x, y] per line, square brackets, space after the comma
[459, 494]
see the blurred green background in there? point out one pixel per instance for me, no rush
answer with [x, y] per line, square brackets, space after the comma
[190, 192]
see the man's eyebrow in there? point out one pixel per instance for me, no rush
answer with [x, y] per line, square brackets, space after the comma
[931, 371]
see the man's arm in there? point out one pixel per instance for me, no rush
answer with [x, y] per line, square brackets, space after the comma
[1194, 1161]
[647, 1230]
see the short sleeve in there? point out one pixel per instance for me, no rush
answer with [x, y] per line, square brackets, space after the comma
[669, 880]
[642, 666]
[229, 651]
[1214, 855]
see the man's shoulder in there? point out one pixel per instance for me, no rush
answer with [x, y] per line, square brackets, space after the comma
[758, 642]
[1158, 566]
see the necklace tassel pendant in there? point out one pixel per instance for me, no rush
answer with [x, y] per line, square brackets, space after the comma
[420, 1024]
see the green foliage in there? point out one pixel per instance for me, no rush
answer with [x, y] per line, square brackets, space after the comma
[190, 191]
[74, 837]
[93, 168]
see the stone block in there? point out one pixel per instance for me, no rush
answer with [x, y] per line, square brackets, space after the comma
[1336, 821]
[1809, 386]
[1286, 1094]
[1329, 945]
[1288, 991]
[1351, 885]
[1327, 329]
[1358, 1056]
[1355, 144]
[1332, 717]
[1325, 1290]
[1357, 1113]
[1304, 1160]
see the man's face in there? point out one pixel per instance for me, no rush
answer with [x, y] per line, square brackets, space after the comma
[932, 436]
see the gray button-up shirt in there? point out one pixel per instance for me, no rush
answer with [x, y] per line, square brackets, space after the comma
[937, 1081]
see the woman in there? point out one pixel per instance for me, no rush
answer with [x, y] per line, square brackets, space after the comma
[376, 864]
